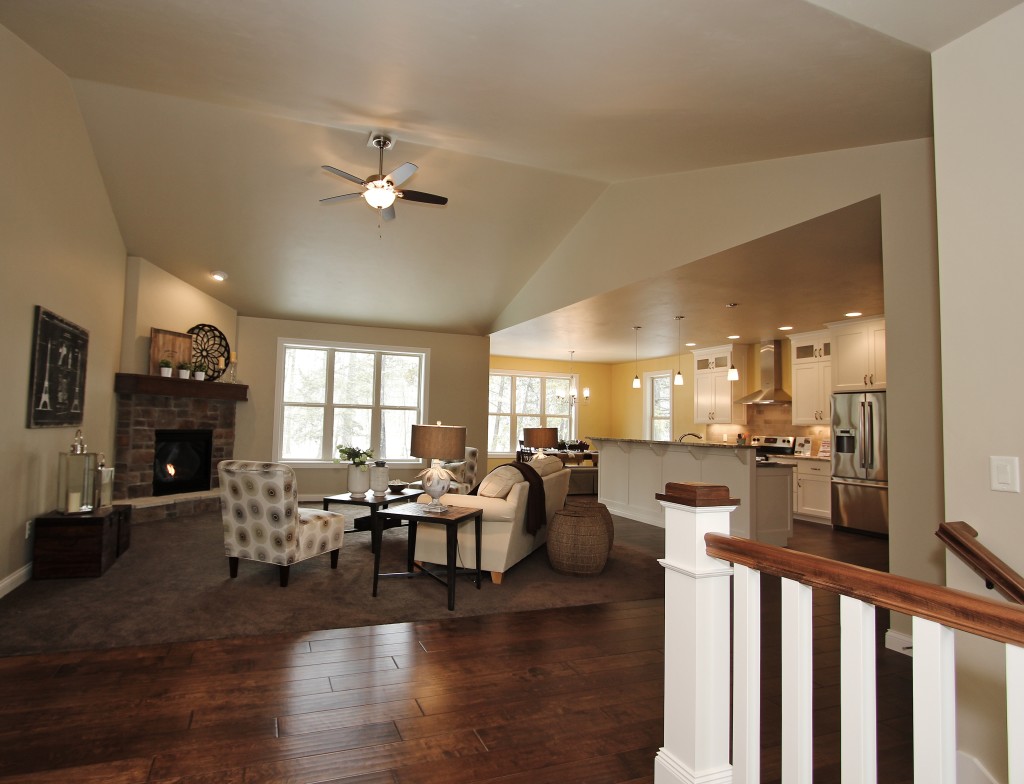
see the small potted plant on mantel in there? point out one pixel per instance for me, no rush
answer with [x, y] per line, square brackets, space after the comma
[184, 369]
[165, 367]
[199, 370]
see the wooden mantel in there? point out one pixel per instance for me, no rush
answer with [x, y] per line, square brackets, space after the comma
[135, 384]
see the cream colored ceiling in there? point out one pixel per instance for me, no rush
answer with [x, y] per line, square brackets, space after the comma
[210, 122]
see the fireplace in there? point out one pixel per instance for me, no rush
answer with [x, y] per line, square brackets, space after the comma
[147, 405]
[181, 461]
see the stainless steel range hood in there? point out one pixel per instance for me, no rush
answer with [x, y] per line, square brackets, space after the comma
[771, 390]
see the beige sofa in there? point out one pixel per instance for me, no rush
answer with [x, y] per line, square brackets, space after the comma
[505, 540]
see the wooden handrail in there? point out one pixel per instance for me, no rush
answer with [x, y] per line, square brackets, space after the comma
[947, 606]
[961, 539]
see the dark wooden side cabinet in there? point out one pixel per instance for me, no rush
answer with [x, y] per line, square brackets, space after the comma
[80, 545]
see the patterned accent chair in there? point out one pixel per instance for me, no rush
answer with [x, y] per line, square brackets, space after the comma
[263, 521]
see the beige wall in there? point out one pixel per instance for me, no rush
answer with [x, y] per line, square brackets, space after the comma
[685, 217]
[155, 298]
[60, 249]
[457, 392]
[979, 124]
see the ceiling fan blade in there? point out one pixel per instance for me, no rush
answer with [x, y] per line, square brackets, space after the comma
[388, 213]
[426, 198]
[346, 175]
[402, 173]
[342, 196]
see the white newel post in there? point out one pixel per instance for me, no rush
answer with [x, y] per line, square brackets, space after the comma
[697, 629]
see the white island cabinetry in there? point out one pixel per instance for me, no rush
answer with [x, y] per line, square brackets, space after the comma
[634, 471]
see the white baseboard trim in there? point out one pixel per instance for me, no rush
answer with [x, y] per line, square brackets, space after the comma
[969, 770]
[899, 642]
[670, 770]
[12, 581]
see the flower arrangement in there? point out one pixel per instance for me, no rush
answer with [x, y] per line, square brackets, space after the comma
[356, 455]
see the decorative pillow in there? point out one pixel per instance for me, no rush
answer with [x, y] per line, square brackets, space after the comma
[459, 469]
[546, 464]
[498, 483]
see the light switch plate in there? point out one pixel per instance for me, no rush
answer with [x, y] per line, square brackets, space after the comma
[1005, 473]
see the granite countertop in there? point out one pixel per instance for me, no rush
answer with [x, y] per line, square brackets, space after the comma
[687, 442]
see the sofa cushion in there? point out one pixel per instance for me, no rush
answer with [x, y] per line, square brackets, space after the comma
[546, 464]
[498, 483]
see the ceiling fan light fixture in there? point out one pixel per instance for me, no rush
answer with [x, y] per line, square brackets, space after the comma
[379, 194]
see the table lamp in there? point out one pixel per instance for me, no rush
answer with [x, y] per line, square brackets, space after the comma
[540, 437]
[436, 443]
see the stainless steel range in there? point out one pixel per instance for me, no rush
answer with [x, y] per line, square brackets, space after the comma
[768, 447]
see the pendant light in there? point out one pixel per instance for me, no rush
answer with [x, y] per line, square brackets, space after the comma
[678, 380]
[636, 357]
[572, 379]
[733, 374]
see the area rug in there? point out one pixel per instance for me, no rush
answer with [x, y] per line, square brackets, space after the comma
[172, 585]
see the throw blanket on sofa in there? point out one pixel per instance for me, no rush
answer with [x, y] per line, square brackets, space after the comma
[536, 508]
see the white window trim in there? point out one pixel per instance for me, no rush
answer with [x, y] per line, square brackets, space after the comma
[283, 343]
[648, 382]
[574, 381]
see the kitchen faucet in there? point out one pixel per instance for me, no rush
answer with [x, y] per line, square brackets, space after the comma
[684, 435]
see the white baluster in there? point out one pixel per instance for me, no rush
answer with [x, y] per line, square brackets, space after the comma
[797, 684]
[746, 710]
[1015, 712]
[934, 703]
[857, 667]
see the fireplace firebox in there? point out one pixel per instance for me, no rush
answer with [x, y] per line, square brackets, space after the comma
[181, 462]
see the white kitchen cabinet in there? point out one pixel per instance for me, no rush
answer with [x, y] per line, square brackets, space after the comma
[713, 393]
[858, 355]
[814, 490]
[811, 378]
[811, 347]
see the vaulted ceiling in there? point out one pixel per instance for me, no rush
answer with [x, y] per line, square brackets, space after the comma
[210, 122]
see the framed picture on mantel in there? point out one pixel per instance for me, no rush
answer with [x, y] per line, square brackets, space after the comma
[164, 344]
[60, 351]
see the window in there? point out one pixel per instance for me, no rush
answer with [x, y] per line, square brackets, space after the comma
[331, 394]
[518, 400]
[658, 406]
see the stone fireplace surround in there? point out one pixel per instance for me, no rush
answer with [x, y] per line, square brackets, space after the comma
[146, 404]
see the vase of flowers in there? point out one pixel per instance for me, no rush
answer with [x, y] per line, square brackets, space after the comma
[358, 472]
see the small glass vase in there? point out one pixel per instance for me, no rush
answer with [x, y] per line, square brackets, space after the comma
[358, 480]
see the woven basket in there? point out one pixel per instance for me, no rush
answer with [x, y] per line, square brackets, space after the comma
[589, 504]
[578, 542]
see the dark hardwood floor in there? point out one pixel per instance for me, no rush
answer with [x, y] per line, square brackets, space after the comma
[564, 695]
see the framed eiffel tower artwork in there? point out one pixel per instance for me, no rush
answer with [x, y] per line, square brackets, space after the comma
[56, 396]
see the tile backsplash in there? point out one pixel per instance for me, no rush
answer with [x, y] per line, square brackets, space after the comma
[770, 420]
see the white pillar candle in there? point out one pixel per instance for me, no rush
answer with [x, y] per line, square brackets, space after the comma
[74, 501]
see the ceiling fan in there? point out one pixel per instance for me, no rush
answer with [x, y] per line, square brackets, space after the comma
[380, 190]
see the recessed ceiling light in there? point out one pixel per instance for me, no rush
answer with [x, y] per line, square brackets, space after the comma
[734, 337]
[731, 304]
[785, 329]
[691, 344]
[854, 314]
[219, 276]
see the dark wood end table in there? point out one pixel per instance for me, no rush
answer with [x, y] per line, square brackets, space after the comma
[415, 514]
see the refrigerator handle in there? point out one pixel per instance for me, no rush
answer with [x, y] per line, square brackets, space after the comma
[870, 438]
[860, 437]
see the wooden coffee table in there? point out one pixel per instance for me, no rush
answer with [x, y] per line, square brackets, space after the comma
[371, 500]
[416, 514]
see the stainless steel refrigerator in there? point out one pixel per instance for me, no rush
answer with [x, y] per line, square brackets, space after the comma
[860, 467]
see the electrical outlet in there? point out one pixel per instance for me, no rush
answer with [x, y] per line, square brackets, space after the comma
[28, 529]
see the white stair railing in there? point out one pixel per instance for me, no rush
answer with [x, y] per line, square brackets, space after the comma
[701, 561]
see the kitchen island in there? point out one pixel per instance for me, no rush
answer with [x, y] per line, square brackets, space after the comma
[633, 471]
